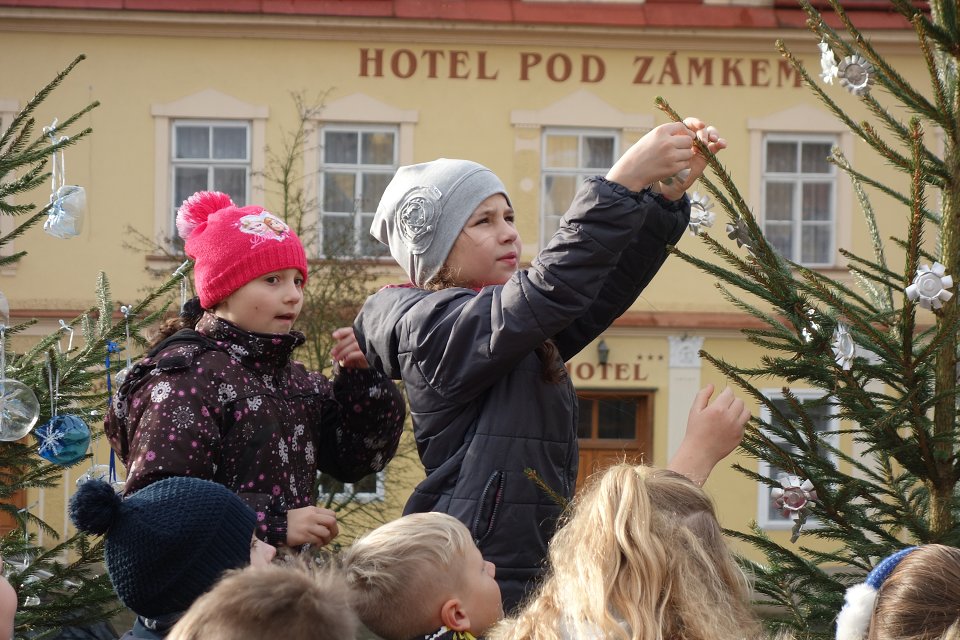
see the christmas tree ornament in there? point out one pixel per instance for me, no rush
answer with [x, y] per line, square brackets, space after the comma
[856, 75]
[739, 232]
[795, 499]
[19, 407]
[111, 473]
[700, 214]
[63, 439]
[828, 63]
[68, 202]
[844, 348]
[812, 327]
[929, 288]
[680, 176]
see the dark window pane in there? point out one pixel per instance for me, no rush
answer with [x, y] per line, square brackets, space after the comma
[585, 418]
[338, 238]
[780, 238]
[230, 143]
[377, 147]
[813, 157]
[782, 157]
[192, 142]
[597, 152]
[338, 192]
[187, 181]
[617, 419]
[370, 246]
[815, 244]
[816, 200]
[779, 201]
[373, 185]
[233, 182]
[340, 147]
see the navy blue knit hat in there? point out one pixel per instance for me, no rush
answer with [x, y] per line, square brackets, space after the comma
[169, 542]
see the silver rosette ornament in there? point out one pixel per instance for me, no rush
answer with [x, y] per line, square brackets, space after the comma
[828, 63]
[855, 75]
[739, 232]
[795, 499]
[929, 288]
[844, 349]
[700, 214]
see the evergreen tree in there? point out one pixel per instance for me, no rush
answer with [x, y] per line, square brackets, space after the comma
[62, 584]
[888, 369]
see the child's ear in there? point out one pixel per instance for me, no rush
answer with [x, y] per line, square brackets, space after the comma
[454, 616]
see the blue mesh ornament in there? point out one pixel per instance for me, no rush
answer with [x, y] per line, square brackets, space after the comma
[63, 439]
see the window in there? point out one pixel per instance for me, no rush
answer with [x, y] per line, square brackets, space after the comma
[568, 158]
[357, 163]
[613, 426]
[367, 489]
[826, 423]
[799, 197]
[210, 156]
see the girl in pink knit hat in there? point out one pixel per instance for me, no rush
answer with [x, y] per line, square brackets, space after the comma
[222, 399]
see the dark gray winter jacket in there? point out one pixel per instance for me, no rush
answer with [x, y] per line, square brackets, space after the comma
[482, 412]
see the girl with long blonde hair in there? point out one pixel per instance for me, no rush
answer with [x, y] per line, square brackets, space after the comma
[640, 556]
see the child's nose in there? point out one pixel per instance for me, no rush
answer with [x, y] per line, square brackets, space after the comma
[491, 569]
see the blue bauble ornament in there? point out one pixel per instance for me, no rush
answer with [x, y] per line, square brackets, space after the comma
[63, 439]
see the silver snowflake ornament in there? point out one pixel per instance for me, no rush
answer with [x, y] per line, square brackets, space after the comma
[795, 499]
[828, 63]
[855, 75]
[739, 232]
[929, 288]
[700, 214]
[844, 349]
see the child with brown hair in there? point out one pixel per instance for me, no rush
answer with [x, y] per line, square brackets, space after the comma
[222, 398]
[640, 555]
[291, 601]
[420, 577]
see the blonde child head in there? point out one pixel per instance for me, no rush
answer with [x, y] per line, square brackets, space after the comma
[641, 555]
[293, 601]
[419, 572]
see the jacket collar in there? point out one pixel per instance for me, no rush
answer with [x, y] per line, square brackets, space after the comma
[264, 351]
[446, 634]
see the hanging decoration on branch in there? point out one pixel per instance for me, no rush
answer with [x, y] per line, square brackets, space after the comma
[68, 201]
[844, 348]
[929, 288]
[739, 232]
[828, 63]
[812, 328]
[19, 407]
[856, 75]
[700, 214]
[795, 498]
[62, 440]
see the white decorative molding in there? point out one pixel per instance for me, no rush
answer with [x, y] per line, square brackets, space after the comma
[685, 351]
[581, 109]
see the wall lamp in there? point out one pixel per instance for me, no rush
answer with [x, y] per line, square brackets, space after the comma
[603, 352]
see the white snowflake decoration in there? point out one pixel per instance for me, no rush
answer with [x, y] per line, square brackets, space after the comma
[844, 349]
[929, 288]
[855, 74]
[828, 63]
[700, 214]
[739, 232]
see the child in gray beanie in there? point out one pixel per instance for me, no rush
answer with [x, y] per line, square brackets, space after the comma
[481, 344]
[168, 543]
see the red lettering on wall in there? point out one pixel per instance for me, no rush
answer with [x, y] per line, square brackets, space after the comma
[584, 370]
[431, 55]
[527, 62]
[482, 67]
[758, 72]
[697, 67]
[623, 371]
[785, 71]
[593, 69]
[566, 67]
[458, 59]
[670, 69]
[642, 76]
[731, 70]
[403, 63]
[376, 58]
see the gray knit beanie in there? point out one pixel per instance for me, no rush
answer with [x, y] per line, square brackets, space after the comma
[424, 208]
[168, 543]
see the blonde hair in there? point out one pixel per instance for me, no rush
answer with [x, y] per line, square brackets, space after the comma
[293, 601]
[401, 573]
[639, 556]
[920, 600]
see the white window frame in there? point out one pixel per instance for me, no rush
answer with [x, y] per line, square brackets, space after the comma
[208, 105]
[356, 169]
[355, 110]
[798, 178]
[805, 120]
[579, 173]
[832, 439]
[362, 497]
[210, 164]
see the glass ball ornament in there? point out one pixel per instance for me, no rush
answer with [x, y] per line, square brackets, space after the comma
[19, 409]
[63, 439]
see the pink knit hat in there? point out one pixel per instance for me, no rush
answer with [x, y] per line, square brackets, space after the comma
[232, 245]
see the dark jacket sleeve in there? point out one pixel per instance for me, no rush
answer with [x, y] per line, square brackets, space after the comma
[360, 424]
[638, 264]
[462, 341]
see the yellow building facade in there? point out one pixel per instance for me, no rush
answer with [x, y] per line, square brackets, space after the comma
[198, 97]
